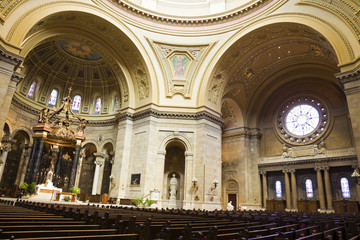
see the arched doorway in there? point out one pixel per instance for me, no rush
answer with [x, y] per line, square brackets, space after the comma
[87, 170]
[15, 162]
[108, 150]
[232, 189]
[174, 167]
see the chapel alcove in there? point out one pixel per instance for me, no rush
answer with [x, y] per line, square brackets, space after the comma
[174, 164]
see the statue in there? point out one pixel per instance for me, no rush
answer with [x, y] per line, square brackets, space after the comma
[173, 186]
[230, 207]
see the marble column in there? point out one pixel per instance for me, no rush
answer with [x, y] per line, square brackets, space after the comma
[99, 169]
[10, 68]
[23, 158]
[81, 158]
[189, 174]
[287, 189]
[26, 162]
[328, 188]
[35, 173]
[30, 166]
[6, 149]
[320, 188]
[264, 187]
[74, 166]
[58, 166]
[294, 189]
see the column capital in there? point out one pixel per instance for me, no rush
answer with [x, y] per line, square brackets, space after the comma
[286, 170]
[317, 168]
[292, 170]
[262, 172]
[325, 168]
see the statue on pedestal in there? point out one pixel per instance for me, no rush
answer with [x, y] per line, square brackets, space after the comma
[173, 188]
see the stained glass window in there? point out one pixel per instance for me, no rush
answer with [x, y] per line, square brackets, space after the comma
[345, 189]
[309, 188]
[32, 90]
[98, 105]
[53, 97]
[76, 103]
[302, 120]
[278, 189]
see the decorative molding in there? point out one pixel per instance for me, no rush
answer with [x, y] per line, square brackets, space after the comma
[133, 117]
[243, 132]
[307, 161]
[9, 57]
[6, 7]
[349, 76]
[207, 20]
[344, 9]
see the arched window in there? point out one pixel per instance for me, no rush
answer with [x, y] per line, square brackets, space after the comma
[278, 189]
[31, 93]
[115, 103]
[98, 105]
[309, 188]
[53, 98]
[345, 189]
[76, 103]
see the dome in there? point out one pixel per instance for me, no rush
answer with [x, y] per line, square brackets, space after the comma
[59, 64]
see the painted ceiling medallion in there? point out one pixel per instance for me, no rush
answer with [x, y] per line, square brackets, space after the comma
[79, 50]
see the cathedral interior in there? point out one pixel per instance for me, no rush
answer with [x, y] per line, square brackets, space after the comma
[201, 102]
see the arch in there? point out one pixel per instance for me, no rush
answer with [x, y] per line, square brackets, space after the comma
[27, 132]
[214, 79]
[108, 146]
[90, 141]
[140, 77]
[173, 138]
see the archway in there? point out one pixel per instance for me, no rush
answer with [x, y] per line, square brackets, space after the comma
[108, 150]
[87, 171]
[15, 162]
[231, 193]
[174, 167]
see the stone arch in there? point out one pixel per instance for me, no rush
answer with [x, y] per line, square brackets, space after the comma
[215, 78]
[29, 138]
[139, 83]
[87, 168]
[176, 136]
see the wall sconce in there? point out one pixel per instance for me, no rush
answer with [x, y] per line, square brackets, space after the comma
[215, 183]
[195, 185]
[356, 175]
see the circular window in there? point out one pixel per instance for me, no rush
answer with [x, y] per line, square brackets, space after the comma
[302, 120]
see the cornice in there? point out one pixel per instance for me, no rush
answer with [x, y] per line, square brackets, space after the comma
[16, 101]
[9, 57]
[349, 76]
[307, 161]
[244, 132]
[178, 115]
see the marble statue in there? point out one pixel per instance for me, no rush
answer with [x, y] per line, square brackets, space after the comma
[230, 207]
[173, 188]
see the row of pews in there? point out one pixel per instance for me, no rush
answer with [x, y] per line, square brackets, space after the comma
[27, 220]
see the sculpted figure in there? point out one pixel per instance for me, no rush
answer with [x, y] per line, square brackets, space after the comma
[173, 186]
